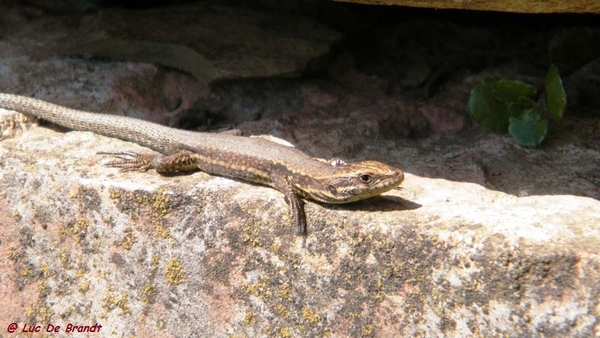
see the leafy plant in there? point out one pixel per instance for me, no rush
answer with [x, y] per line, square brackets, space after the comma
[504, 105]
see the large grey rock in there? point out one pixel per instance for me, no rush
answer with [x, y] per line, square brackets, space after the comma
[211, 42]
[201, 255]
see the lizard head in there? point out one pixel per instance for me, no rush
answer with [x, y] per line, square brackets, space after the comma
[352, 182]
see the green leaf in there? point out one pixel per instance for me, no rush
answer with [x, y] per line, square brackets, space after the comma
[528, 134]
[525, 109]
[556, 97]
[490, 100]
[510, 90]
[486, 110]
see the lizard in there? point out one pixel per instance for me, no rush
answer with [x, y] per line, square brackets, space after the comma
[258, 160]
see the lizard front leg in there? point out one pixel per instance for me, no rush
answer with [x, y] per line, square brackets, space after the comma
[183, 160]
[282, 183]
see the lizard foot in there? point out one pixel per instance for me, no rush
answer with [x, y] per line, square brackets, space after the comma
[130, 161]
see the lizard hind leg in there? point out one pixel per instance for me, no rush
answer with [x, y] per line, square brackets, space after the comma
[131, 161]
[13, 124]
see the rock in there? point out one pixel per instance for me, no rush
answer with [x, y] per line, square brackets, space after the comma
[200, 255]
[211, 42]
[537, 6]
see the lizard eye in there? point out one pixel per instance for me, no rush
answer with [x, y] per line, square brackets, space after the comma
[365, 178]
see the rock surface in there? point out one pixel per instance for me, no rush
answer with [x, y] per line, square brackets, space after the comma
[211, 42]
[202, 255]
[518, 6]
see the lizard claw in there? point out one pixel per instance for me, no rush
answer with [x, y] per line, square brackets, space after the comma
[129, 161]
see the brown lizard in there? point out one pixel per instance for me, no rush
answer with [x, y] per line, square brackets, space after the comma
[295, 174]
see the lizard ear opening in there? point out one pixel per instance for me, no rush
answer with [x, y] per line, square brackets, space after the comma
[333, 190]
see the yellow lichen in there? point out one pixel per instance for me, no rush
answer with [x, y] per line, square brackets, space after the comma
[64, 258]
[154, 264]
[111, 302]
[149, 293]
[285, 291]
[174, 272]
[160, 323]
[160, 203]
[311, 316]
[257, 288]
[108, 302]
[39, 313]
[128, 241]
[43, 289]
[25, 271]
[282, 310]
[77, 231]
[250, 236]
[162, 232]
[251, 240]
[285, 332]
[84, 287]
[249, 319]
[12, 253]
[123, 304]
